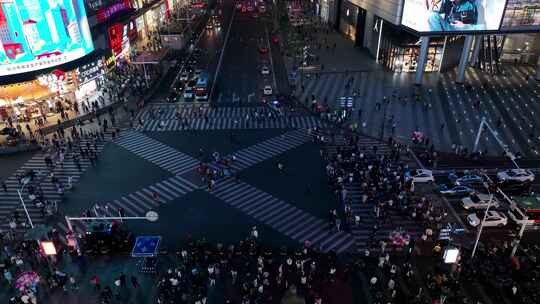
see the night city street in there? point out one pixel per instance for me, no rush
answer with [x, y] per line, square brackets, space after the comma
[269, 152]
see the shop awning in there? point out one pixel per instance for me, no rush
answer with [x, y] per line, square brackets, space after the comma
[150, 57]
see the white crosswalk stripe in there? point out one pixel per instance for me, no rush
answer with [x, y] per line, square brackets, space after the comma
[10, 201]
[269, 148]
[169, 112]
[156, 152]
[291, 220]
[228, 123]
[141, 201]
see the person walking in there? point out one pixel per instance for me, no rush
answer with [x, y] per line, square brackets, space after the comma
[135, 282]
[4, 186]
[155, 197]
[96, 283]
[122, 278]
[73, 283]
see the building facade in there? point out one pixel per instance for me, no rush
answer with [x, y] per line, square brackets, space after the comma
[426, 36]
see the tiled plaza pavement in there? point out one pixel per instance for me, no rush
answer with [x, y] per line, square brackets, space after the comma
[447, 113]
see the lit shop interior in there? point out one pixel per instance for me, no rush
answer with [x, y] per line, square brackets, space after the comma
[44, 95]
[399, 50]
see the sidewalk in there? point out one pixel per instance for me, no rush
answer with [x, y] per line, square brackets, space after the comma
[390, 104]
[104, 101]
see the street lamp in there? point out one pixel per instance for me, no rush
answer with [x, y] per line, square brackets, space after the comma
[24, 181]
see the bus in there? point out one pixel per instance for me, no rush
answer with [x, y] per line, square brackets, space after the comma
[201, 88]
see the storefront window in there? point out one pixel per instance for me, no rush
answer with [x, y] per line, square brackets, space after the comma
[399, 50]
[348, 19]
[404, 58]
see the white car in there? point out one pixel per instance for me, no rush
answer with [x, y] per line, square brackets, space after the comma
[184, 76]
[478, 201]
[421, 176]
[267, 90]
[518, 175]
[265, 70]
[493, 219]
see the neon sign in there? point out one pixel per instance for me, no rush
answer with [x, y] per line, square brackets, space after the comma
[103, 14]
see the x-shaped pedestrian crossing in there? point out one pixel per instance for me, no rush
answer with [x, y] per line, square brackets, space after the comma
[282, 216]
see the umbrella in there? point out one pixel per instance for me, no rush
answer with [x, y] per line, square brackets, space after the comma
[26, 279]
[37, 233]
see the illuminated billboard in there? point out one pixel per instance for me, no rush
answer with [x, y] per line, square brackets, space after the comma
[521, 15]
[119, 39]
[440, 16]
[37, 34]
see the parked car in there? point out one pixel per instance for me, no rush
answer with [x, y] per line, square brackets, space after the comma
[515, 187]
[420, 176]
[493, 219]
[520, 175]
[478, 201]
[454, 190]
[466, 179]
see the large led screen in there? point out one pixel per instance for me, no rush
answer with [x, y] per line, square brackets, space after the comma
[37, 34]
[439, 16]
[521, 15]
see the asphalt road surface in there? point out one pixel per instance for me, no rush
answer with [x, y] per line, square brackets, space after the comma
[240, 79]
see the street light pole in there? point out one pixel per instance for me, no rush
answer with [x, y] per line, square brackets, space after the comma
[485, 125]
[520, 235]
[481, 226]
[19, 192]
[150, 216]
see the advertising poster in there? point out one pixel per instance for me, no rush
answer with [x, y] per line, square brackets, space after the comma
[37, 34]
[118, 39]
[521, 14]
[438, 16]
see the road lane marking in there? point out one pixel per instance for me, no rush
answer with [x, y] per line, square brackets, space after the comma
[218, 68]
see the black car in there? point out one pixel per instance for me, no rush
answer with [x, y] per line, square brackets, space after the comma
[515, 187]
[104, 238]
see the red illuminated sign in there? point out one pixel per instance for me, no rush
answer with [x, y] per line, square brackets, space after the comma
[103, 14]
[115, 38]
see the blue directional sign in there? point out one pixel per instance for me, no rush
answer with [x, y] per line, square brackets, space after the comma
[146, 246]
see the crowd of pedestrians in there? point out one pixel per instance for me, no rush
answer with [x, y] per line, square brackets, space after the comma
[125, 81]
[249, 272]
